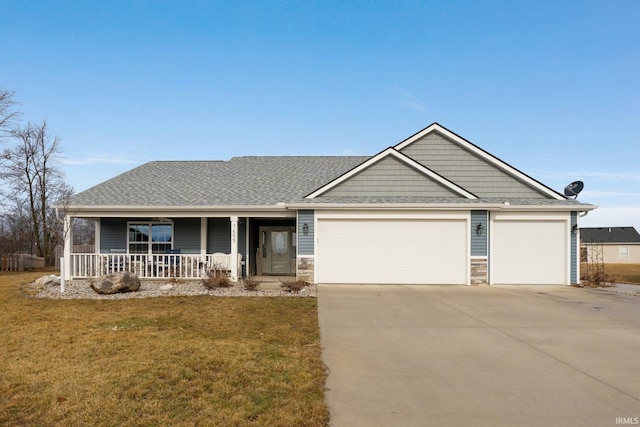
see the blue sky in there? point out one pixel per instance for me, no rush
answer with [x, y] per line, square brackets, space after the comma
[553, 88]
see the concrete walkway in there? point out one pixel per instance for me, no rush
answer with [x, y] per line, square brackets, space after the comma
[481, 356]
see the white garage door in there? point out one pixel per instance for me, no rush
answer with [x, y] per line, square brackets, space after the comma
[391, 251]
[529, 252]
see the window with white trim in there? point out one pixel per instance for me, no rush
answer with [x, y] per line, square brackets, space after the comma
[149, 237]
[624, 252]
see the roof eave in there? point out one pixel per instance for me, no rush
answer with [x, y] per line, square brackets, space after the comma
[173, 211]
[443, 206]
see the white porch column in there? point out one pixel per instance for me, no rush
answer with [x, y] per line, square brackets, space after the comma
[234, 248]
[203, 236]
[68, 245]
[247, 264]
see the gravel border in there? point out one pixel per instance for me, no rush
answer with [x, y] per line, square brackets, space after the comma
[82, 290]
[622, 288]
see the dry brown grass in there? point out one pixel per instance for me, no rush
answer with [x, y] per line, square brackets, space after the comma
[179, 361]
[623, 273]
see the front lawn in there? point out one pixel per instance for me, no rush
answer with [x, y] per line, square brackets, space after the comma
[178, 361]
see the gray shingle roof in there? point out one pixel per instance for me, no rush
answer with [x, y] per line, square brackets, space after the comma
[609, 235]
[241, 181]
[251, 181]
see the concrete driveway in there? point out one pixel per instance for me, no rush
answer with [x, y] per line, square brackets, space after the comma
[481, 356]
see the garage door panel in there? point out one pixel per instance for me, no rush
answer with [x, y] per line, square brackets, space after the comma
[529, 252]
[391, 251]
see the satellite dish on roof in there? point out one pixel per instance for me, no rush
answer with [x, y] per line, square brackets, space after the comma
[573, 189]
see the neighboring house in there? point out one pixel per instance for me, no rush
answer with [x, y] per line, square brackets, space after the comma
[610, 245]
[433, 209]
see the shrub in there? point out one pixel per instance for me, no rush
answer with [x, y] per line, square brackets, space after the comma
[250, 283]
[593, 275]
[597, 279]
[294, 286]
[216, 277]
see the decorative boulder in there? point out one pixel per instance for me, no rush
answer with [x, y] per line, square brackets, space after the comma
[51, 280]
[122, 281]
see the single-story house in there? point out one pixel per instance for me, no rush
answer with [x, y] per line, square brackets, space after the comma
[610, 245]
[433, 209]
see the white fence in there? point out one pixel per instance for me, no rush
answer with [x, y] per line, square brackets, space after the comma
[183, 266]
[20, 262]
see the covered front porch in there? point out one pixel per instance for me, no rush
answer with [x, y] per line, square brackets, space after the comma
[174, 245]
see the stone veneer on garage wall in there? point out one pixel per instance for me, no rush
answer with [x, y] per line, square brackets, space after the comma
[479, 271]
[305, 268]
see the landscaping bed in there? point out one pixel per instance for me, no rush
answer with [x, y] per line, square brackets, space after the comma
[149, 289]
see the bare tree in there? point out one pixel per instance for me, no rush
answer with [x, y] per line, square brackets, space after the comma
[84, 231]
[32, 177]
[16, 229]
[8, 117]
[8, 112]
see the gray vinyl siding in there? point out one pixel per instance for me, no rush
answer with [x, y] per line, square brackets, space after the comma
[186, 235]
[219, 235]
[391, 177]
[113, 234]
[469, 171]
[305, 243]
[479, 244]
[574, 250]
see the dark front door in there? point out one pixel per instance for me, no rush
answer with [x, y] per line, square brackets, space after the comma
[275, 250]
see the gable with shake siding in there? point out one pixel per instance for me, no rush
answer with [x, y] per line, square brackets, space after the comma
[449, 159]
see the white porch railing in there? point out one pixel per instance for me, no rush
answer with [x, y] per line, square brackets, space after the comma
[160, 266]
